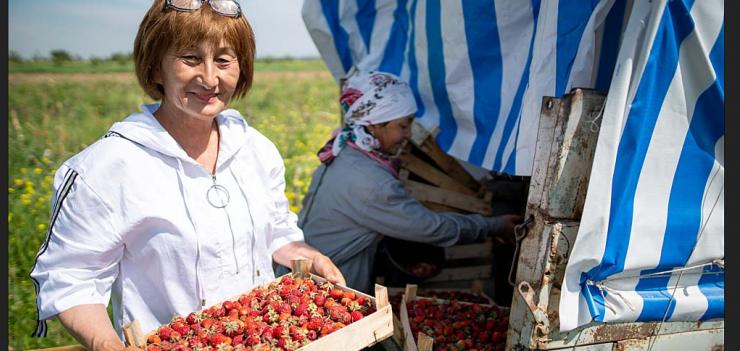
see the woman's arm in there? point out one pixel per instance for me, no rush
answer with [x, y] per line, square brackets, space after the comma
[90, 325]
[320, 264]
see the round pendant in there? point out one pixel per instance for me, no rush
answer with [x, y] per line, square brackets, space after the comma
[218, 196]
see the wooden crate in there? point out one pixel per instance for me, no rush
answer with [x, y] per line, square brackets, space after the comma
[424, 342]
[437, 180]
[363, 333]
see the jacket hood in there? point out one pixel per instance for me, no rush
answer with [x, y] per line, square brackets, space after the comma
[144, 129]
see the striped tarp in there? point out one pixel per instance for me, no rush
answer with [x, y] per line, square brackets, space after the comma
[479, 69]
[651, 241]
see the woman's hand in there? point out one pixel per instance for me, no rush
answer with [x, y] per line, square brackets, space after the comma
[320, 264]
[323, 266]
[506, 232]
[90, 325]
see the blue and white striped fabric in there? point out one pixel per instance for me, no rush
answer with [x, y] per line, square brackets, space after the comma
[479, 69]
[651, 242]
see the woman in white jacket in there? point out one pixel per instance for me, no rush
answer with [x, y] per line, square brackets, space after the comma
[179, 206]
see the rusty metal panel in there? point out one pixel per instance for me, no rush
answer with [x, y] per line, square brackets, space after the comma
[557, 178]
[571, 168]
[710, 340]
[563, 157]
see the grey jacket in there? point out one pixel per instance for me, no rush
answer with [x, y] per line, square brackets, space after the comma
[358, 201]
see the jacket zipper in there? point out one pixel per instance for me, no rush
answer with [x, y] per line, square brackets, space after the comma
[233, 239]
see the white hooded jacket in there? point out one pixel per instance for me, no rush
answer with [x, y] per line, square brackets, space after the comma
[131, 223]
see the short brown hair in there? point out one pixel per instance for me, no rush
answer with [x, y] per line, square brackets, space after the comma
[161, 30]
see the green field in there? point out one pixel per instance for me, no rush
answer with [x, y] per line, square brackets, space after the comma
[107, 66]
[53, 116]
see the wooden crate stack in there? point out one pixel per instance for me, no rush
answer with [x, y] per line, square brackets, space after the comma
[442, 184]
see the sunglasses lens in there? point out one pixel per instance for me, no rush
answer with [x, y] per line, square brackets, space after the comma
[186, 4]
[225, 7]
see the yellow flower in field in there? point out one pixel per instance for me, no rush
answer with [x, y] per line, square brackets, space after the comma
[41, 226]
[24, 170]
[29, 188]
[25, 199]
[18, 182]
[10, 217]
[11, 190]
[46, 161]
[37, 170]
[46, 182]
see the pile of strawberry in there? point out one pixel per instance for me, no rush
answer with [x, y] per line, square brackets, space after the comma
[459, 326]
[451, 295]
[289, 313]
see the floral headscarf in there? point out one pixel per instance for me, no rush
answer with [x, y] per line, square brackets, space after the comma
[369, 98]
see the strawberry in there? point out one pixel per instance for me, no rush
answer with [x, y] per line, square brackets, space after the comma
[166, 333]
[153, 339]
[301, 310]
[362, 300]
[349, 295]
[284, 308]
[181, 327]
[336, 294]
[315, 323]
[153, 348]
[356, 316]
[252, 340]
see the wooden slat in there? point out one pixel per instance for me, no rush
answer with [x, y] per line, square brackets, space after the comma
[424, 342]
[432, 174]
[410, 291]
[134, 335]
[358, 335]
[462, 273]
[457, 252]
[61, 348]
[448, 164]
[381, 296]
[424, 192]
[300, 266]
[408, 344]
[439, 208]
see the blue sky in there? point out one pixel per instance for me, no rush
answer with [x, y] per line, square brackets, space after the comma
[102, 27]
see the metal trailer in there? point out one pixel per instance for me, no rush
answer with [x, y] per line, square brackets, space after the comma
[566, 141]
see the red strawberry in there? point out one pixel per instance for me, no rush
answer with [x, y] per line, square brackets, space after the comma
[336, 294]
[362, 300]
[319, 299]
[287, 280]
[217, 339]
[349, 294]
[181, 327]
[153, 348]
[356, 316]
[301, 309]
[315, 323]
[252, 340]
[166, 333]
[237, 340]
[284, 308]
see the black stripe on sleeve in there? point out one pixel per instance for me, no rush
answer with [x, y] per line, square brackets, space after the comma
[69, 179]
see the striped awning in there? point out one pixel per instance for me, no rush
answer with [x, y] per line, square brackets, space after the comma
[479, 69]
[651, 241]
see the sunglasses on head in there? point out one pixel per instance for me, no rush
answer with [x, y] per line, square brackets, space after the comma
[228, 8]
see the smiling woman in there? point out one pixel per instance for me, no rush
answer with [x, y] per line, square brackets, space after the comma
[134, 214]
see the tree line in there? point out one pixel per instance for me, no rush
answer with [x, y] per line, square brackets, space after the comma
[59, 56]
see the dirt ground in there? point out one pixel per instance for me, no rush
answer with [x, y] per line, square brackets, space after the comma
[83, 77]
